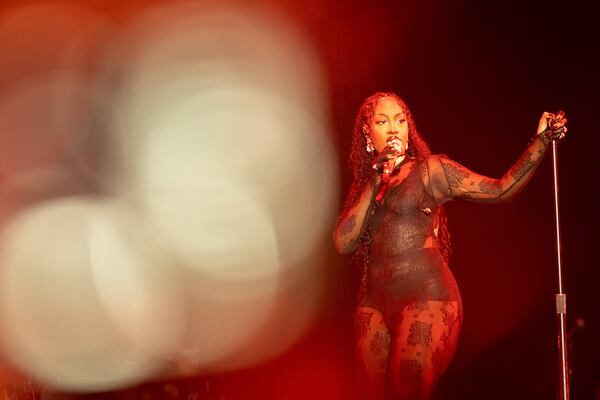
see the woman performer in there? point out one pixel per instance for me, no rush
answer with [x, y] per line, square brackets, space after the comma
[409, 312]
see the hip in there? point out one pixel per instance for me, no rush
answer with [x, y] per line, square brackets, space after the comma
[419, 274]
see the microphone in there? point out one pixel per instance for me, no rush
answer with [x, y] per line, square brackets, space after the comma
[394, 146]
[556, 129]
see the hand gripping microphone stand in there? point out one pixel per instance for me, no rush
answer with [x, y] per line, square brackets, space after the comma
[561, 298]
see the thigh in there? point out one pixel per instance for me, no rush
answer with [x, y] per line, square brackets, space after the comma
[423, 342]
[372, 339]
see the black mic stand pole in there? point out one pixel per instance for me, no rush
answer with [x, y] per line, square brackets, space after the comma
[561, 298]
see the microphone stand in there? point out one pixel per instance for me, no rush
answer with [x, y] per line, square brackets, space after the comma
[561, 298]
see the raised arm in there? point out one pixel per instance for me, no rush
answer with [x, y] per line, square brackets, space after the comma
[450, 180]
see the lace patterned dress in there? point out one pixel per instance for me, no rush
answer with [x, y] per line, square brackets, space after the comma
[400, 270]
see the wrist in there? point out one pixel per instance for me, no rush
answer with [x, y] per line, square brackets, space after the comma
[543, 137]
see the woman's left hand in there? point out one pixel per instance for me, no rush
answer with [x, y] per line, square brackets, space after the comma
[553, 126]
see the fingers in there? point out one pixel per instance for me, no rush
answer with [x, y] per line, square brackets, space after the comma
[553, 117]
[381, 159]
[558, 133]
[545, 121]
[556, 125]
[558, 121]
[379, 163]
[387, 153]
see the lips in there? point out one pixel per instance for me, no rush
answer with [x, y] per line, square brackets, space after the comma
[395, 143]
[393, 139]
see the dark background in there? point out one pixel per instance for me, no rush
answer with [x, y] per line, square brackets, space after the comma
[477, 75]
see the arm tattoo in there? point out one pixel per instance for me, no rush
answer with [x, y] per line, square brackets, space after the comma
[454, 175]
[490, 186]
[348, 225]
[522, 166]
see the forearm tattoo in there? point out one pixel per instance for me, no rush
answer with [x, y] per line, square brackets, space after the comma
[348, 225]
[519, 170]
[490, 186]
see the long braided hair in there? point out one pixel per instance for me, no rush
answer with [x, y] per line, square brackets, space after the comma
[361, 164]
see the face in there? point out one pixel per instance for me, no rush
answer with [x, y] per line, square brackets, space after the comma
[388, 120]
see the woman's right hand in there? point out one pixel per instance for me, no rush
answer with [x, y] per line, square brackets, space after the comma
[388, 153]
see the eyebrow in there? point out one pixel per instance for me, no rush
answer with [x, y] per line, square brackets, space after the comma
[385, 115]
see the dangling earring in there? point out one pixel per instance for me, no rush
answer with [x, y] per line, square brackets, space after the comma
[370, 146]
